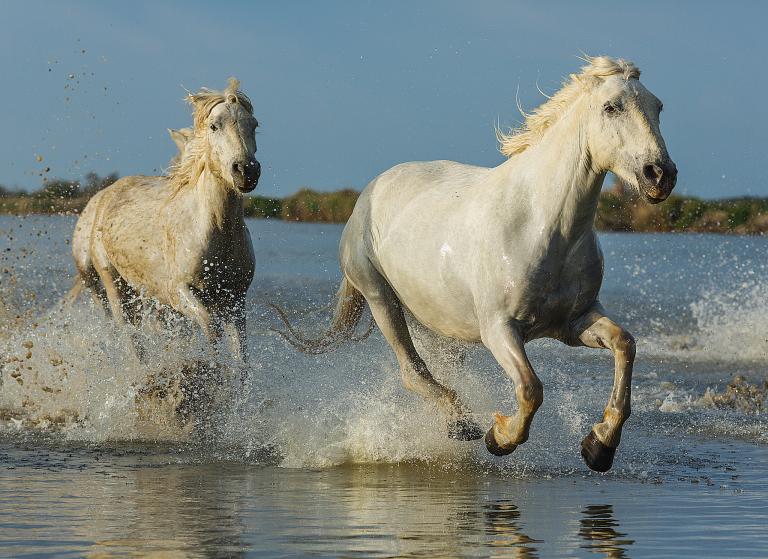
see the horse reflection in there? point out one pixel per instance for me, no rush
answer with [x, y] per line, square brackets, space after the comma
[600, 534]
[502, 520]
[181, 511]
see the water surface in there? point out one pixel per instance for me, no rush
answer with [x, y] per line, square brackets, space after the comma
[329, 456]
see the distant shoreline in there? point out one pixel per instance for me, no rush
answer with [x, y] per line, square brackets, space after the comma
[616, 211]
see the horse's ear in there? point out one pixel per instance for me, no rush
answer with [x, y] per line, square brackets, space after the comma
[180, 137]
[231, 91]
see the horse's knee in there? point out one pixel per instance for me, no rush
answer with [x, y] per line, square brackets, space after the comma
[624, 342]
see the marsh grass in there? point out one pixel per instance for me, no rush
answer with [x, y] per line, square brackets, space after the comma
[617, 210]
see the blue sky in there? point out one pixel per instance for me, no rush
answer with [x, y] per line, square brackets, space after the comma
[346, 89]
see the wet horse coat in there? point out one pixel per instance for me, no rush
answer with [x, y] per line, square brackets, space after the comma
[181, 239]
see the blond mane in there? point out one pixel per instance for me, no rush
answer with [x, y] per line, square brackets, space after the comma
[188, 169]
[517, 140]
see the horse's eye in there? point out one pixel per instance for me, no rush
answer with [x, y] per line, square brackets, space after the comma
[611, 107]
[213, 127]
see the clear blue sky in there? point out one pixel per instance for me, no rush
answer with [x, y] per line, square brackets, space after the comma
[345, 90]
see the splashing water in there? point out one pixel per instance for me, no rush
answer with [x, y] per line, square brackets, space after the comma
[71, 372]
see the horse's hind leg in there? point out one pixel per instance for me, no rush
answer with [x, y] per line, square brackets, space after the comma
[506, 345]
[89, 279]
[132, 307]
[109, 279]
[388, 314]
[594, 329]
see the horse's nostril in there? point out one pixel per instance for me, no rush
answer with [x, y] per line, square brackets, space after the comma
[237, 169]
[653, 173]
[673, 171]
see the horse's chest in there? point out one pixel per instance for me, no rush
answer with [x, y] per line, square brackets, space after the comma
[221, 265]
[556, 295]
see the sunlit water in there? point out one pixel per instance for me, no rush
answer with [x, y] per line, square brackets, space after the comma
[329, 456]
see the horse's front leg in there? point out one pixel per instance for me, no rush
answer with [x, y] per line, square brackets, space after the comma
[594, 329]
[506, 344]
[236, 334]
[239, 340]
[193, 308]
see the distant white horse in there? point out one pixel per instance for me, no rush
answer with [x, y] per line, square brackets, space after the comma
[180, 239]
[509, 254]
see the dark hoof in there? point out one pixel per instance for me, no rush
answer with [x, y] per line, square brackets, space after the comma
[596, 455]
[464, 429]
[494, 447]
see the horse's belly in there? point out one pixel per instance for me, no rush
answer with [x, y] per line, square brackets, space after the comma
[445, 309]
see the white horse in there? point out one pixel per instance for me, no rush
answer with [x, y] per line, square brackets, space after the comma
[508, 254]
[181, 138]
[180, 239]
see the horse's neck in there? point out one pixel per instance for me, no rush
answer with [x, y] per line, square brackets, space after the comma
[213, 204]
[563, 186]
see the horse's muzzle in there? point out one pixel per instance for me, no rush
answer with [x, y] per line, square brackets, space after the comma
[245, 176]
[657, 180]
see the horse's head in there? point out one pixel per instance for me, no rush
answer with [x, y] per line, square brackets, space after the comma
[623, 131]
[225, 120]
[181, 138]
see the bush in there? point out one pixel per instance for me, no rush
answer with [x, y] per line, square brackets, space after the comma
[60, 188]
[260, 206]
[327, 207]
[94, 183]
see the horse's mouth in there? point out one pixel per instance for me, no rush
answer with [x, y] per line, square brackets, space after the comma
[246, 182]
[246, 186]
[654, 199]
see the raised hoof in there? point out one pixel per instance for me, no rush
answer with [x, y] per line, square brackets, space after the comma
[596, 455]
[464, 429]
[494, 447]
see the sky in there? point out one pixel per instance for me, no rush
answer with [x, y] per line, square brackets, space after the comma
[346, 89]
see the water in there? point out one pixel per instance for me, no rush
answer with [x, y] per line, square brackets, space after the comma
[329, 456]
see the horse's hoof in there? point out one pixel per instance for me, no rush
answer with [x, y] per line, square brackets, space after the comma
[596, 455]
[494, 447]
[465, 429]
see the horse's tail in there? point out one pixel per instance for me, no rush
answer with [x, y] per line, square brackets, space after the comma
[350, 305]
[74, 293]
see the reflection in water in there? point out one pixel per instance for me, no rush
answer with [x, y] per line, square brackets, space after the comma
[598, 530]
[146, 502]
[502, 520]
[173, 512]
[224, 510]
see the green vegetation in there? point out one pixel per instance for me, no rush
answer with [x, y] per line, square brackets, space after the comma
[327, 207]
[617, 211]
[628, 213]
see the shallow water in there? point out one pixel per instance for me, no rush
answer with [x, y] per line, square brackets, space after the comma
[329, 456]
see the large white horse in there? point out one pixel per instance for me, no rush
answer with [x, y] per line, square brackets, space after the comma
[508, 254]
[180, 239]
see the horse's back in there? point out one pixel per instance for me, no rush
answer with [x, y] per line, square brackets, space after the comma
[404, 184]
[414, 189]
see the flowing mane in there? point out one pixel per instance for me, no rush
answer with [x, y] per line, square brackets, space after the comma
[188, 169]
[536, 124]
